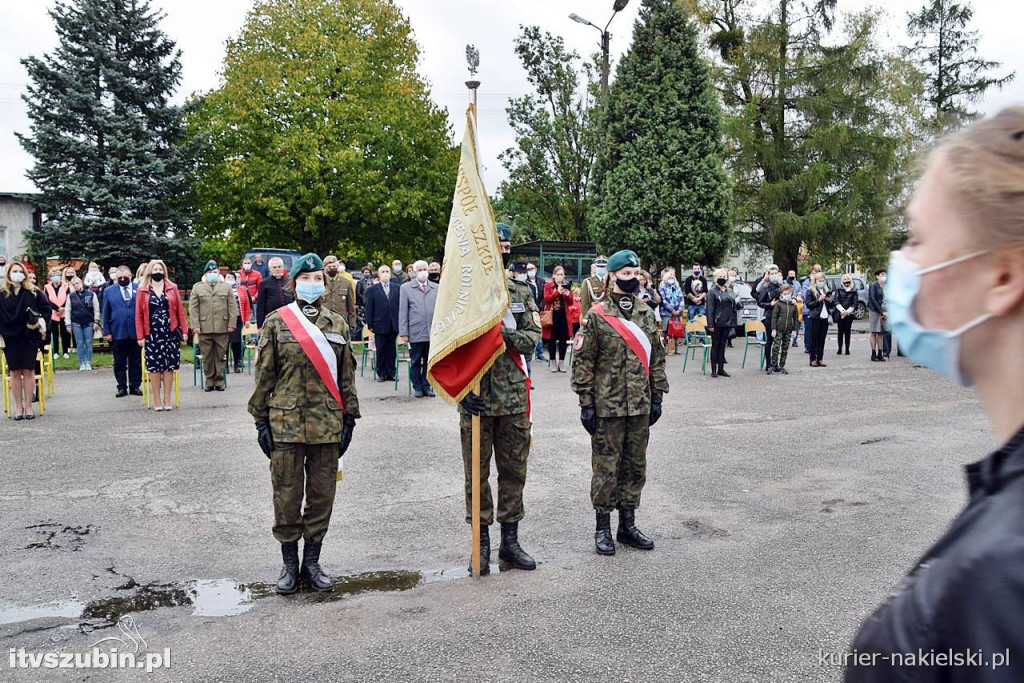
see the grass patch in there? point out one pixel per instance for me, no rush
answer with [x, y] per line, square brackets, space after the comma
[106, 360]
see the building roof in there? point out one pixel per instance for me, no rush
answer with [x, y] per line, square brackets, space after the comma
[554, 247]
[29, 197]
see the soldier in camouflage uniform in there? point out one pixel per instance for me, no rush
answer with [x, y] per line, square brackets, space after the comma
[592, 289]
[301, 427]
[504, 426]
[619, 399]
[341, 291]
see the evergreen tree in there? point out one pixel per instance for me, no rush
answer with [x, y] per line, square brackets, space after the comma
[947, 52]
[109, 163]
[660, 188]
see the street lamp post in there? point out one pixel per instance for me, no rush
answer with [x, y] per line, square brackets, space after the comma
[606, 40]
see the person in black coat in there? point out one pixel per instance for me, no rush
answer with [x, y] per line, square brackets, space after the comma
[721, 318]
[767, 297]
[273, 292]
[20, 330]
[819, 304]
[381, 304]
[846, 300]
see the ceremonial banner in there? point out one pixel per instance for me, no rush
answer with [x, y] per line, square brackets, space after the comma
[472, 298]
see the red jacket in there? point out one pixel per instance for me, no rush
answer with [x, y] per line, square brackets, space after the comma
[177, 310]
[550, 295]
[250, 281]
[244, 305]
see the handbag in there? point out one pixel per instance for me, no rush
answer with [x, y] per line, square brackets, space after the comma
[676, 329]
[547, 318]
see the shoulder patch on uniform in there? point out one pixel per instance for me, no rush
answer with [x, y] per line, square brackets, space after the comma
[335, 338]
[577, 343]
[518, 307]
[536, 319]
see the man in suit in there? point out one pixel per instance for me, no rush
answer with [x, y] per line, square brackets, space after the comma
[119, 330]
[415, 315]
[382, 302]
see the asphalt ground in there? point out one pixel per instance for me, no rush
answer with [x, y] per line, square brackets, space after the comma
[784, 510]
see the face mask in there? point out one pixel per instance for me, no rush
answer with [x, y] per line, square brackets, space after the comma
[247, 267]
[341, 267]
[18, 277]
[521, 277]
[822, 286]
[309, 291]
[628, 286]
[721, 281]
[847, 285]
[787, 297]
[506, 258]
[366, 276]
[435, 277]
[124, 281]
[55, 279]
[532, 273]
[91, 270]
[69, 278]
[881, 279]
[397, 269]
[935, 349]
[696, 272]
[113, 277]
[777, 278]
[212, 276]
[422, 276]
[601, 272]
[157, 277]
[332, 271]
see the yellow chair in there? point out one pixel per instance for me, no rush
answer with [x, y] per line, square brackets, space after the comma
[696, 338]
[147, 390]
[48, 370]
[40, 379]
[367, 346]
[6, 384]
[749, 327]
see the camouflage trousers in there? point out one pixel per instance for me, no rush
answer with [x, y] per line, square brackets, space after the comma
[214, 348]
[780, 350]
[508, 436]
[619, 461]
[297, 469]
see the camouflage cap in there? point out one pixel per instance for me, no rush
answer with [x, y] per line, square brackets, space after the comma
[623, 259]
[307, 263]
[504, 232]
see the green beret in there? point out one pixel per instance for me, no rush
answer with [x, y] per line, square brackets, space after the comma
[210, 265]
[623, 259]
[504, 232]
[308, 263]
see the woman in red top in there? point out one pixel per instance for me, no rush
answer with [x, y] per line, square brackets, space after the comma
[57, 291]
[160, 326]
[558, 300]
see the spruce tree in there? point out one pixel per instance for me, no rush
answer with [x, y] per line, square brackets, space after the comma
[109, 159]
[660, 188]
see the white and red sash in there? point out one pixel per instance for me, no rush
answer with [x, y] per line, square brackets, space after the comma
[520, 361]
[638, 342]
[316, 347]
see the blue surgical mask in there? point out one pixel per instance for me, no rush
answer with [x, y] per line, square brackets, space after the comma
[935, 349]
[600, 272]
[309, 291]
[212, 276]
[522, 277]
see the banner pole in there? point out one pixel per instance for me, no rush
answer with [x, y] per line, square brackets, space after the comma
[473, 58]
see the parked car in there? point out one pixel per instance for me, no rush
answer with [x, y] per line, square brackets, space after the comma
[286, 255]
[835, 282]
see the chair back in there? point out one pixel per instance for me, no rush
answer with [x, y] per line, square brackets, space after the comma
[702, 319]
[696, 327]
[753, 326]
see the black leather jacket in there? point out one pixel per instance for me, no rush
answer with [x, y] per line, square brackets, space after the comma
[846, 299]
[966, 594]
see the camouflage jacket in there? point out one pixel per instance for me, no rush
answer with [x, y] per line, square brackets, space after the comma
[605, 371]
[591, 284]
[340, 296]
[290, 393]
[503, 387]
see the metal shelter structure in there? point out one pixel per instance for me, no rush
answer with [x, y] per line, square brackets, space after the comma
[575, 257]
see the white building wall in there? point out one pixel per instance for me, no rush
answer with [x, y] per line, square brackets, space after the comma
[15, 221]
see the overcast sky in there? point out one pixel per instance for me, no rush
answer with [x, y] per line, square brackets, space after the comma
[443, 28]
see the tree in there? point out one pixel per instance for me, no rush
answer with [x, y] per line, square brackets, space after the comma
[660, 188]
[948, 55]
[820, 128]
[110, 162]
[322, 135]
[549, 169]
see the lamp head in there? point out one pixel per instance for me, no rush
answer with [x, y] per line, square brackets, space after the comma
[580, 20]
[620, 5]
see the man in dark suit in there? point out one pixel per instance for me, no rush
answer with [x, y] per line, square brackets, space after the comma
[119, 330]
[381, 304]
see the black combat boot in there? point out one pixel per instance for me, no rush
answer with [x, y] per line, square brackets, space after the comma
[629, 534]
[311, 571]
[289, 581]
[509, 550]
[603, 537]
[485, 551]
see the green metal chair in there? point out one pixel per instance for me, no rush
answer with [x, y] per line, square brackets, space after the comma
[696, 337]
[749, 327]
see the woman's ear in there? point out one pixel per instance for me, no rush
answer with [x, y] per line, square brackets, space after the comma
[1005, 288]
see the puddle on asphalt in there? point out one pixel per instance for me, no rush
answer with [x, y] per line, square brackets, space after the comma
[222, 597]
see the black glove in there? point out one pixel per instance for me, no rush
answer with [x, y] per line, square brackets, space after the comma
[473, 404]
[346, 434]
[655, 408]
[588, 416]
[263, 437]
